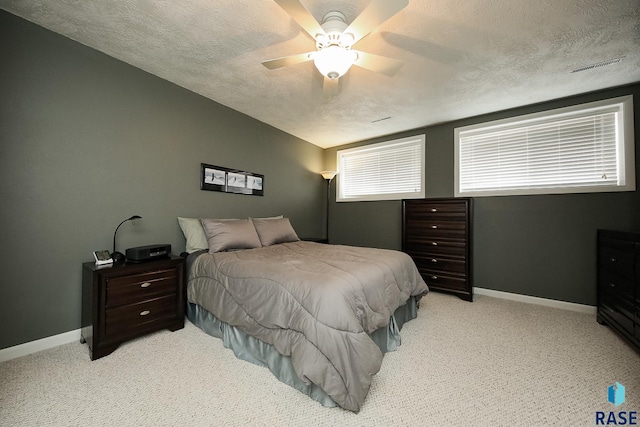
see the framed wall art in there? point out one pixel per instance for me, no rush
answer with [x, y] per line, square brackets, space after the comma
[218, 178]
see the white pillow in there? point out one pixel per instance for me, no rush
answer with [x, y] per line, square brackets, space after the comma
[194, 234]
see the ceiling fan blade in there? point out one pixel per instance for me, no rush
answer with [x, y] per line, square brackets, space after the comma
[302, 16]
[272, 64]
[330, 87]
[377, 63]
[375, 14]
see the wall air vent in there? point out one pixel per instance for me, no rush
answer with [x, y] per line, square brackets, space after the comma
[598, 64]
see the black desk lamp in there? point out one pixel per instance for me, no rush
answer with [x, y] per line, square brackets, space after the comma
[328, 175]
[117, 256]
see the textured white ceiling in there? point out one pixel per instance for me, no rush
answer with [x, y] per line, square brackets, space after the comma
[461, 57]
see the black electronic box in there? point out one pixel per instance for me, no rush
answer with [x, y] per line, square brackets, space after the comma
[148, 253]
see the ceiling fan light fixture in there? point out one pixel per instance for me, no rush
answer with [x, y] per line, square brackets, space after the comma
[334, 61]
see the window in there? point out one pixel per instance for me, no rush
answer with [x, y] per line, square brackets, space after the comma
[579, 149]
[389, 170]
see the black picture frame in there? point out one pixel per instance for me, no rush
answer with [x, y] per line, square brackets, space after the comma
[228, 180]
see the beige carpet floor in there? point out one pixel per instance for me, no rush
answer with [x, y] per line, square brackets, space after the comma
[488, 363]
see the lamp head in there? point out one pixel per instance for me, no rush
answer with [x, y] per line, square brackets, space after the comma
[328, 175]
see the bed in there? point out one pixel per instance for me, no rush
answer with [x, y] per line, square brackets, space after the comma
[319, 316]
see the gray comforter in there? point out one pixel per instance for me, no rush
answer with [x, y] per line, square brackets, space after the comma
[313, 302]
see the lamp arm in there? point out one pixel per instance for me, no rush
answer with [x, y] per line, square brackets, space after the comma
[116, 232]
[134, 217]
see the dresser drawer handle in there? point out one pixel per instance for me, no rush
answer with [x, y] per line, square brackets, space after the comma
[434, 243]
[144, 313]
[613, 259]
[434, 260]
[434, 210]
[434, 226]
[434, 277]
[612, 285]
[145, 285]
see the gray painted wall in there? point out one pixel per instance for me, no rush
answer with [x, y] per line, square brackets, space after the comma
[543, 246]
[87, 141]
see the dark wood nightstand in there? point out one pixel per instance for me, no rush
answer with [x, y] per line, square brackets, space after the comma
[124, 301]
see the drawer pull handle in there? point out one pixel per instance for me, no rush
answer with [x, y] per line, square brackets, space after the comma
[434, 260]
[434, 226]
[144, 313]
[612, 285]
[434, 243]
[434, 210]
[145, 285]
[613, 259]
[434, 277]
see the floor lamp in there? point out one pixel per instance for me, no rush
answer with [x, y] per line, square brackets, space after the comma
[328, 175]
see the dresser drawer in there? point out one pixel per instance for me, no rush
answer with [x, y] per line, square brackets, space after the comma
[435, 246]
[619, 244]
[616, 286]
[437, 280]
[617, 310]
[617, 262]
[441, 229]
[439, 265]
[129, 319]
[126, 289]
[437, 211]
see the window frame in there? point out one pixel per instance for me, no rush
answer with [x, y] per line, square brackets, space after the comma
[419, 140]
[625, 147]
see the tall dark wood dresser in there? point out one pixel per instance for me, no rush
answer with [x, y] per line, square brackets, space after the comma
[619, 283]
[436, 233]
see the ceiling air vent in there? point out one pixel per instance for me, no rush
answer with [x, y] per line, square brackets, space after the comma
[598, 64]
[379, 120]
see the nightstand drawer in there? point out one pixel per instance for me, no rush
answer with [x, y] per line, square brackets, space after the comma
[129, 318]
[139, 287]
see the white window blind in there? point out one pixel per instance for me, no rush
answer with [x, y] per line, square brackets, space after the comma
[386, 171]
[578, 149]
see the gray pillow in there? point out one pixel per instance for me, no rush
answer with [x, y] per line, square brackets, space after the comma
[225, 235]
[273, 231]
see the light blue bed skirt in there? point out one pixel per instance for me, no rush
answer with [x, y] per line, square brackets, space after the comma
[260, 353]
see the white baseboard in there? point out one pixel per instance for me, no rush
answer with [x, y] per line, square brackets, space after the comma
[71, 336]
[581, 308]
[39, 345]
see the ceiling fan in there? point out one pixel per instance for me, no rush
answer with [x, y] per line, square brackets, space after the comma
[334, 38]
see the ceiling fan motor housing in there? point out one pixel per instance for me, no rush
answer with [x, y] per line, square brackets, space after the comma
[334, 23]
[334, 56]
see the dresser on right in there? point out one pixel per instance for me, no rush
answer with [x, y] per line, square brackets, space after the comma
[436, 233]
[619, 283]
